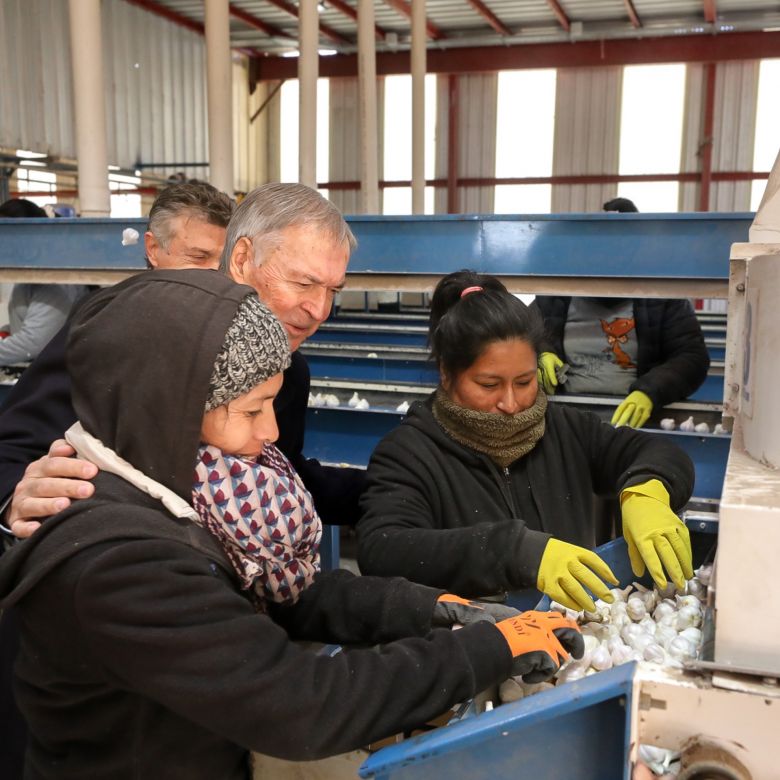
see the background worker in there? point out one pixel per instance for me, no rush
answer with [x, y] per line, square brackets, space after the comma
[35, 311]
[649, 350]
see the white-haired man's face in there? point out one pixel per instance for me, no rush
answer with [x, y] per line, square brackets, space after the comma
[297, 280]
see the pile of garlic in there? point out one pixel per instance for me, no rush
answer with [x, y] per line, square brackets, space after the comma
[650, 626]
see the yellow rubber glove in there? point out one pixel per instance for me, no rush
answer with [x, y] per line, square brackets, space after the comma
[634, 411]
[656, 537]
[549, 362]
[565, 568]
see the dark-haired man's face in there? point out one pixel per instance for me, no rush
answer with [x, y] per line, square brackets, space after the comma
[194, 244]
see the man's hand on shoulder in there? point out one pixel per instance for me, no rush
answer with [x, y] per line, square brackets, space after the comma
[47, 487]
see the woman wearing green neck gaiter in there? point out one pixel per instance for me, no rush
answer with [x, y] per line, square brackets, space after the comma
[486, 488]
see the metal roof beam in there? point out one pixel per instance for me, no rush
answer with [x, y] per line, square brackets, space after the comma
[259, 24]
[684, 48]
[560, 14]
[349, 11]
[636, 22]
[325, 29]
[710, 11]
[172, 16]
[403, 8]
[489, 17]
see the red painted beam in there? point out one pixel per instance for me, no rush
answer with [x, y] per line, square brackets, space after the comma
[453, 200]
[351, 12]
[724, 47]
[258, 24]
[632, 14]
[160, 10]
[710, 11]
[489, 17]
[325, 29]
[451, 182]
[560, 14]
[405, 9]
[705, 150]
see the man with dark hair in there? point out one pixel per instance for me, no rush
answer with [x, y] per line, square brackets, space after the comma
[622, 205]
[187, 224]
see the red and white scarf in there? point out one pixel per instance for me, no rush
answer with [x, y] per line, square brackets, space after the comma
[263, 517]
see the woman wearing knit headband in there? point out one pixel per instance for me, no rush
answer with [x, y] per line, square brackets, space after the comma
[157, 615]
[487, 488]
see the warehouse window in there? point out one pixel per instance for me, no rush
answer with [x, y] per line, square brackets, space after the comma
[398, 142]
[30, 179]
[524, 147]
[289, 131]
[767, 123]
[651, 133]
[125, 201]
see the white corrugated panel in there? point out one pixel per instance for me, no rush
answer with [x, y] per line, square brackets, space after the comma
[344, 157]
[35, 79]
[734, 128]
[154, 84]
[587, 128]
[477, 108]
[250, 140]
[156, 90]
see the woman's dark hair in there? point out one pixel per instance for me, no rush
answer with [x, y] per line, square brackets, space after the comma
[461, 327]
[21, 208]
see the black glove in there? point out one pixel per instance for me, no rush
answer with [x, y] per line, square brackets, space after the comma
[450, 609]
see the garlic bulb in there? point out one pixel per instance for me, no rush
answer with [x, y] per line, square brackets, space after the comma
[704, 575]
[630, 632]
[693, 635]
[687, 425]
[688, 601]
[664, 609]
[654, 654]
[649, 626]
[681, 649]
[697, 588]
[571, 672]
[622, 655]
[620, 595]
[687, 617]
[636, 608]
[601, 659]
[354, 401]
[702, 427]
[667, 424]
[665, 634]
[641, 641]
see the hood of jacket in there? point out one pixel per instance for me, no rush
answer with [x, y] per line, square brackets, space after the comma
[140, 355]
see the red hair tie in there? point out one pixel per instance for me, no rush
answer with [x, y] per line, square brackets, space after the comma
[470, 290]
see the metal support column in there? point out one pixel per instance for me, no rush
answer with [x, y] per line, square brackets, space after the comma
[220, 94]
[369, 156]
[419, 39]
[710, 71]
[308, 65]
[453, 200]
[86, 43]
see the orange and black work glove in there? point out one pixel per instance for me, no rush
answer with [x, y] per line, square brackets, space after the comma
[540, 642]
[450, 609]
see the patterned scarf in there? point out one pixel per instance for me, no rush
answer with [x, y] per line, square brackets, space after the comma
[502, 437]
[263, 517]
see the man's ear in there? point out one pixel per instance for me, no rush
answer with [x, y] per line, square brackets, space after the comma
[241, 260]
[151, 246]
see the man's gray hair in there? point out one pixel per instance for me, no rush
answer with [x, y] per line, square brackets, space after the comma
[197, 199]
[271, 208]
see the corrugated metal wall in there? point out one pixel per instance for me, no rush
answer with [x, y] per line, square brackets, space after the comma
[733, 133]
[154, 75]
[587, 135]
[477, 110]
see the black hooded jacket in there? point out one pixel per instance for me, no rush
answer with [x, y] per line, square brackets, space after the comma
[672, 361]
[140, 657]
[444, 515]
